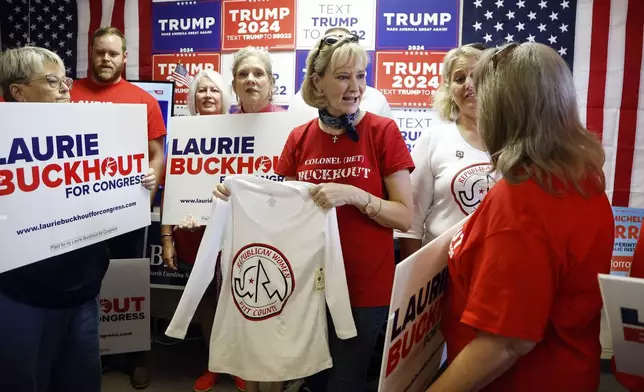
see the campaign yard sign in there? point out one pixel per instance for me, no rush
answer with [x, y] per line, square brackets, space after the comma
[68, 184]
[203, 150]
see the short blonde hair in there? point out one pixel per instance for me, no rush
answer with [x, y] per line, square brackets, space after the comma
[22, 64]
[325, 57]
[218, 80]
[444, 103]
[261, 54]
[529, 122]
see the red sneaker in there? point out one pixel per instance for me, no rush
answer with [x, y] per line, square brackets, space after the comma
[240, 384]
[206, 382]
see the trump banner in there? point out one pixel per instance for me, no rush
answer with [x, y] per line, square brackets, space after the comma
[68, 184]
[205, 149]
[267, 23]
[186, 26]
[625, 312]
[628, 226]
[125, 307]
[180, 68]
[414, 342]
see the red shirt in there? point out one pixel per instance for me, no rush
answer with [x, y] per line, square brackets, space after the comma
[525, 266]
[267, 109]
[311, 155]
[85, 90]
[632, 382]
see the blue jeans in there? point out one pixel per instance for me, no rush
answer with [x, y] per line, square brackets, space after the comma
[351, 357]
[49, 350]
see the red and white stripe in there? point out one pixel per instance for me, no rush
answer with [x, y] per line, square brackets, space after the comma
[132, 17]
[609, 77]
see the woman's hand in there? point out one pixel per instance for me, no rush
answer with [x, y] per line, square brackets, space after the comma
[169, 254]
[329, 195]
[149, 181]
[189, 223]
[221, 192]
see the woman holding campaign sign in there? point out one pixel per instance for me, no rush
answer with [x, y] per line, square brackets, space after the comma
[361, 165]
[253, 81]
[453, 170]
[522, 309]
[207, 95]
[49, 334]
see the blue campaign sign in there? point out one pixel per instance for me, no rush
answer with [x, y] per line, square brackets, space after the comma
[417, 25]
[300, 68]
[186, 26]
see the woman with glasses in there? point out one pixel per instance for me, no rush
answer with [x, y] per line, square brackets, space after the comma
[49, 330]
[366, 177]
[522, 308]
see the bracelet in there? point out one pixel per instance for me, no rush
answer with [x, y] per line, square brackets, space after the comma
[379, 209]
[166, 235]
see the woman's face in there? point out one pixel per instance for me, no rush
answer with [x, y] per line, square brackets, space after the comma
[207, 97]
[253, 85]
[462, 87]
[343, 88]
[49, 85]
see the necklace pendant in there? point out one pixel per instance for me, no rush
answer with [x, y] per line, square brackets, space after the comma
[335, 139]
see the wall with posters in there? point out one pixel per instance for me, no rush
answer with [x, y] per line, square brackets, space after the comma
[190, 36]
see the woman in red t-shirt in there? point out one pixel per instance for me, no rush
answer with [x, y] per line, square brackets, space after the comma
[362, 167]
[632, 382]
[522, 308]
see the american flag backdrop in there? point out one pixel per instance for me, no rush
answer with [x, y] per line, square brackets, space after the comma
[602, 42]
[66, 27]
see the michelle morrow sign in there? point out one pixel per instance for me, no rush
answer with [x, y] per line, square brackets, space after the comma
[68, 180]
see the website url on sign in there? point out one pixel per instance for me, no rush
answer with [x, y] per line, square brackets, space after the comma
[75, 218]
[115, 335]
[196, 201]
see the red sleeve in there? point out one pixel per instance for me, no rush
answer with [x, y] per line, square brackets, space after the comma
[394, 155]
[286, 164]
[156, 125]
[513, 285]
[637, 267]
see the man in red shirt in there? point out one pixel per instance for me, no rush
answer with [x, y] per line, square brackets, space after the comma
[108, 57]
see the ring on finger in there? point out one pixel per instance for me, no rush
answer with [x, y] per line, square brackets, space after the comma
[320, 203]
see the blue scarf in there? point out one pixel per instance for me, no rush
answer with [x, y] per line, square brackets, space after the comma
[343, 122]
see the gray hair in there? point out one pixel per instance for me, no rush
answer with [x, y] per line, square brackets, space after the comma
[261, 54]
[218, 80]
[21, 64]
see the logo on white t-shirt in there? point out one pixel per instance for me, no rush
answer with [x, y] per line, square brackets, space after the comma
[471, 184]
[262, 281]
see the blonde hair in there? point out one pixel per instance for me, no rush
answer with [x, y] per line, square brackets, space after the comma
[324, 57]
[218, 80]
[22, 64]
[443, 102]
[109, 30]
[528, 119]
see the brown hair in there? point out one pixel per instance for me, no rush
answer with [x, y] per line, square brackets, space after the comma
[529, 122]
[109, 30]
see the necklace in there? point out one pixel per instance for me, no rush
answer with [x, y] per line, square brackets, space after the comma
[343, 122]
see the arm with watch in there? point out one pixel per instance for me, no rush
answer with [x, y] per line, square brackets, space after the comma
[395, 213]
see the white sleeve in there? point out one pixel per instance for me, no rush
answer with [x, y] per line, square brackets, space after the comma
[336, 290]
[203, 271]
[422, 182]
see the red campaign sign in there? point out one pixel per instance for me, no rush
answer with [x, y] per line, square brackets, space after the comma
[180, 68]
[409, 78]
[266, 23]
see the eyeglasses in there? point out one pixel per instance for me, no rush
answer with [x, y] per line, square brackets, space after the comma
[55, 82]
[477, 45]
[502, 52]
[332, 40]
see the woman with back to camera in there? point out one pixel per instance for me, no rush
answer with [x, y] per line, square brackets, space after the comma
[49, 338]
[207, 96]
[452, 166]
[372, 200]
[522, 309]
